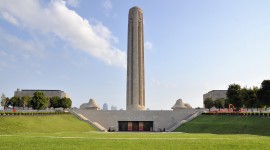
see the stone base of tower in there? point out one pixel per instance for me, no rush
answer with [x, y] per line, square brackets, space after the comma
[135, 107]
[158, 119]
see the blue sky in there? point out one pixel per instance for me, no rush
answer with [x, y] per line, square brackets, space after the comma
[80, 46]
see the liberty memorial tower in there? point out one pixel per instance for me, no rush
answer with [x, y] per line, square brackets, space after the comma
[135, 61]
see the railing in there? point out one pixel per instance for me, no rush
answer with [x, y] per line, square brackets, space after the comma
[188, 118]
[94, 124]
[172, 125]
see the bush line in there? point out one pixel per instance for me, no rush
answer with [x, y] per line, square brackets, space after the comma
[32, 113]
[266, 114]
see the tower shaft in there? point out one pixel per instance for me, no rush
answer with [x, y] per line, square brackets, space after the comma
[135, 61]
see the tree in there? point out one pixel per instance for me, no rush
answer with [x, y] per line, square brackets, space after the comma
[25, 102]
[54, 102]
[244, 92]
[250, 99]
[226, 103]
[264, 93]
[15, 101]
[8, 103]
[219, 103]
[39, 101]
[234, 95]
[208, 103]
[3, 102]
[65, 102]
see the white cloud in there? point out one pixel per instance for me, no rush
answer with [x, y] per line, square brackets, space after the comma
[148, 45]
[55, 18]
[107, 5]
[104, 32]
[3, 54]
[9, 18]
[73, 3]
[22, 47]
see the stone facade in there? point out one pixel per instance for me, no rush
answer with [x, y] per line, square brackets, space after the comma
[135, 61]
[47, 93]
[161, 119]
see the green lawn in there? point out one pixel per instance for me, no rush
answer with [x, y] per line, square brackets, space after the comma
[218, 124]
[42, 124]
[67, 132]
[132, 141]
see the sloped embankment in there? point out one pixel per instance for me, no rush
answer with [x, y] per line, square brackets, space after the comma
[43, 124]
[222, 124]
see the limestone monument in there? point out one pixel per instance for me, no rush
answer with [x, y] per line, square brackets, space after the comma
[135, 61]
[134, 119]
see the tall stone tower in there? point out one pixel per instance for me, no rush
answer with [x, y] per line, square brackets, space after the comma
[135, 61]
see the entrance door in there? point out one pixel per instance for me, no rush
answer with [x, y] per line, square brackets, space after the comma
[123, 126]
[148, 125]
[135, 125]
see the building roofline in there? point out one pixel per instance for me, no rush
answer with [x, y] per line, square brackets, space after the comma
[217, 90]
[40, 90]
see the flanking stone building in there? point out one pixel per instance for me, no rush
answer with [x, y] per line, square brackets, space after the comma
[215, 94]
[47, 93]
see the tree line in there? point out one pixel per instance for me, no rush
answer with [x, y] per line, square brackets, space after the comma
[239, 97]
[39, 101]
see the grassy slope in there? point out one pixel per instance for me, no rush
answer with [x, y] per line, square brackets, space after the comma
[43, 124]
[227, 125]
[43, 132]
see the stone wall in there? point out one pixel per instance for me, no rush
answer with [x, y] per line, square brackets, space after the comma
[161, 119]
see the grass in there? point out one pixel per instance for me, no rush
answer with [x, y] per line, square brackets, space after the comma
[42, 124]
[218, 124]
[67, 132]
[132, 141]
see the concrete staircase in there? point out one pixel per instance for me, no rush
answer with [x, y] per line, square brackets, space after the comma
[94, 124]
[187, 119]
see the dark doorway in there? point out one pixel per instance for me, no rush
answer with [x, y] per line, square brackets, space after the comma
[123, 125]
[148, 126]
[135, 125]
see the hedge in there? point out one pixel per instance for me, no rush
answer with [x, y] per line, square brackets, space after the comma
[264, 114]
[32, 113]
